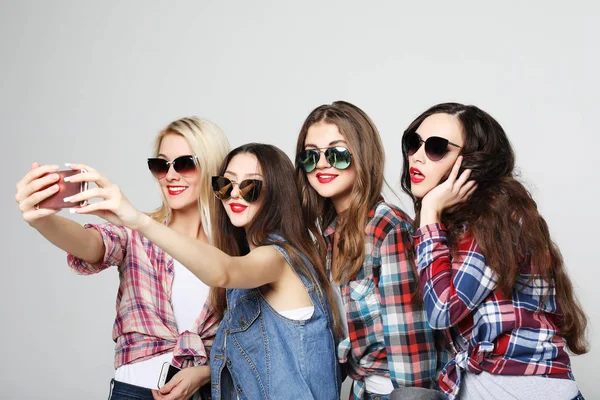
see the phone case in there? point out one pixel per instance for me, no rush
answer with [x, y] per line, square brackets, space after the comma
[65, 189]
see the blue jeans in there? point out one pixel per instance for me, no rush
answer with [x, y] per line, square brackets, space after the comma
[125, 391]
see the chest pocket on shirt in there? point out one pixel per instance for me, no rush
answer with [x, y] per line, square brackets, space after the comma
[245, 312]
[364, 304]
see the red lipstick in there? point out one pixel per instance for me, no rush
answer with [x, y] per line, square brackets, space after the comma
[325, 178]
[237, 207]
[416, 176]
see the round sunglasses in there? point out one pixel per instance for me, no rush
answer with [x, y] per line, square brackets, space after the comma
[435, 147]
[337, 157]
[183, 165]
[249, 189]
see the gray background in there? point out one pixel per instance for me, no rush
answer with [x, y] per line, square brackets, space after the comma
[93, 82]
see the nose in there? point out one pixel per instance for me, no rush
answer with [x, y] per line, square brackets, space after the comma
[235, 192]
[322, 163]
[419, 156]
[172, 175]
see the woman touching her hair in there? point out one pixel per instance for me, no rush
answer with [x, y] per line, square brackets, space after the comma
[490, 274]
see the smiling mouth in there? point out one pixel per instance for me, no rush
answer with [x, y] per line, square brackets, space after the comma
[176, 190]
[326, 178]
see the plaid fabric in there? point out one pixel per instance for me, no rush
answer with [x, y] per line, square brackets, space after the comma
[145, 323]
[388, 335]
[517, 335]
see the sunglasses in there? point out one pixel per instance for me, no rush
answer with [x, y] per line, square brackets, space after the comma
[435, 147]
[337, 157]
[184, 165]
[249, 189]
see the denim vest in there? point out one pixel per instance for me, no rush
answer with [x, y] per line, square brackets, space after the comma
[260, 354]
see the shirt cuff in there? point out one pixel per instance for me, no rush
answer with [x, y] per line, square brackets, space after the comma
[430, 231]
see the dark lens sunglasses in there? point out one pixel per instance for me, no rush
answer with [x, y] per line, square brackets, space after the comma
[249, 188]
[435, 147]
[184, 165]
[337, 157]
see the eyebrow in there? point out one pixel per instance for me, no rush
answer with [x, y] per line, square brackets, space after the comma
[340, 141]
[167, 157]
[245, 175]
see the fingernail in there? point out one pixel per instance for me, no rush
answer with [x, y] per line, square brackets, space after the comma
[67, 164]
[67, 199]
[72, 210]
[67, 179]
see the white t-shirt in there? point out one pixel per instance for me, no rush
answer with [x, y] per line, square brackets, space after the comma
[188, 295]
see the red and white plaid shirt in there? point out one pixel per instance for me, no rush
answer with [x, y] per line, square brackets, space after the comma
[145, 324]
[515, 335]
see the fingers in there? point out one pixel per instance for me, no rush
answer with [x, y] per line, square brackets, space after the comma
[454, 172]
[458, 184]
[93, 208]
[30, 201]
[33, 215]
[34, 186]
[89, 176]
[80, 166]
[156, 395]
[35, 173]
[89, 194]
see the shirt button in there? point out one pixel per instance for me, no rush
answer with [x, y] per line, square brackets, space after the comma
[239, 389]
[228, 361]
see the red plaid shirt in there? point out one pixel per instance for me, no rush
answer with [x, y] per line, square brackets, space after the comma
[388, 335]
[145, 323]
[515, 335]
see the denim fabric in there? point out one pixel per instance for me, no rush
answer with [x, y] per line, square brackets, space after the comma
[259, 354]
[125, 391]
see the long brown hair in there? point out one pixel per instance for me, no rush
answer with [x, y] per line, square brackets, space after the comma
[369, 159]
[502, 216]
[279, 214]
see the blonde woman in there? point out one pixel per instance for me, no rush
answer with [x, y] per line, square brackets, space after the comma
[160, 318]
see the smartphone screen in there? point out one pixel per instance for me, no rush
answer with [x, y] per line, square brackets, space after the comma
[171, 373]
[166, 374]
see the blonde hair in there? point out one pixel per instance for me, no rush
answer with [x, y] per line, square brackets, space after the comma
[210, 146]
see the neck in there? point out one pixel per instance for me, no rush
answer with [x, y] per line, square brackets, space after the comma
[341, 204]
[188, 222]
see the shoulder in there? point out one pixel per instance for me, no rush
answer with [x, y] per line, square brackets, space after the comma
[388, 218]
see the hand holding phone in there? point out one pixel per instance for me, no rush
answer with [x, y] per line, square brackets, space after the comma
[65, 189]
[167, 372]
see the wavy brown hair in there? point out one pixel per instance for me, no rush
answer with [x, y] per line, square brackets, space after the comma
[502, 216]
[279, 214]
[368, 158]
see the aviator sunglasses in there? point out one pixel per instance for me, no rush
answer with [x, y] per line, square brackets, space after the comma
[435, 147]
[337, 157]
[184, 166]
[249, 188]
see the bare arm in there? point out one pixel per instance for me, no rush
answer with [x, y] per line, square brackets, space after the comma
[68, 235]
[261, 266]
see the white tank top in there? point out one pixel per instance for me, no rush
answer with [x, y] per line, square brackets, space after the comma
[188, 295]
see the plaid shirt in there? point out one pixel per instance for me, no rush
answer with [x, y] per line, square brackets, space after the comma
[145, 324]
[517, 335]
[388, 335]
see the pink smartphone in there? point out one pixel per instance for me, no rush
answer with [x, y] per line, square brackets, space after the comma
[65, 189]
